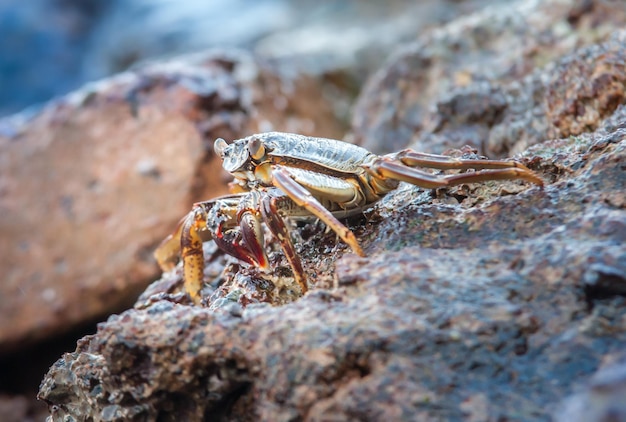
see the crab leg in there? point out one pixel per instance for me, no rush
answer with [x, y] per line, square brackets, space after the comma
[443, 162]
[385, 167]
[303, 198]
[217, 218]
[187, 241]
[168, 250]
[271, 210]
[191, 252]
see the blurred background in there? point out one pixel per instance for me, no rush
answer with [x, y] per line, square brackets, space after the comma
[51, 47]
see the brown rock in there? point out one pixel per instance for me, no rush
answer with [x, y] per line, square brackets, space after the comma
[20, 409]
[587, 88]
[602, 399]
[92, 183]
[484, 80]
[481, 302]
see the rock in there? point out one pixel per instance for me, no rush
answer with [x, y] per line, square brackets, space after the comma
[602, 398]
[93, 182]
[492, 80]
[482, 302]
[20, 409]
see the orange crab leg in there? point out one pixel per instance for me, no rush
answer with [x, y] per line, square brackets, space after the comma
[168, 250]
[303, 198]
[385, 168]
[191, 252]
[443, 162]
[270, 209]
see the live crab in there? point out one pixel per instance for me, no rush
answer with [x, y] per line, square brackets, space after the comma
[279, 175]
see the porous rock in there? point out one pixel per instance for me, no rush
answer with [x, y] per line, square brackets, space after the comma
[92, 182]
[485, 302]
[601, 398]
[493, 80]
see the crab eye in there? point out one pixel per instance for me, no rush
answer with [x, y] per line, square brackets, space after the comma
[219, 146]
[256, 149]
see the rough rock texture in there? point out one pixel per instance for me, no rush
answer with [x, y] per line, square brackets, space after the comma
[484, 302]
[92, 183]
[489, 80]
[602, 399]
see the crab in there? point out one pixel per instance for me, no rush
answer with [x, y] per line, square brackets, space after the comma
[283, 175]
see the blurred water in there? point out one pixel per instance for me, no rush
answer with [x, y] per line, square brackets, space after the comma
[50, 47]
[39, 45]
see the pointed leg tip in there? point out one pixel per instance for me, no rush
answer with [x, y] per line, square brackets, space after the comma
[536, 180]
[195, 297]
[304, 287]
[264, 266]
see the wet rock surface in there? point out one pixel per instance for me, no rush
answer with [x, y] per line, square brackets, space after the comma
[497, 301]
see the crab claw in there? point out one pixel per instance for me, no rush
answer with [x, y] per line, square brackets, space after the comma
[253, 239]
[231, 243]
[244, 242]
